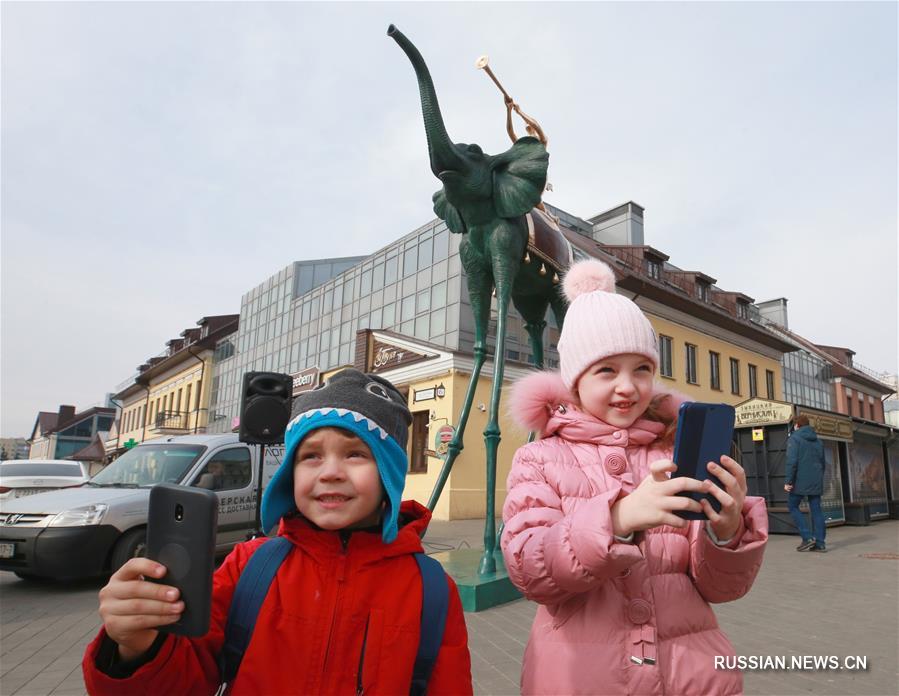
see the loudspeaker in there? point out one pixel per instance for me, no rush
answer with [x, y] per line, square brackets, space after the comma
[265, 407]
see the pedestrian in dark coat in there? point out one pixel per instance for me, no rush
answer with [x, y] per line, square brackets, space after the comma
[805, 479]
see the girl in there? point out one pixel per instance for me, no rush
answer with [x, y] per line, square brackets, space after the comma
[591, 534]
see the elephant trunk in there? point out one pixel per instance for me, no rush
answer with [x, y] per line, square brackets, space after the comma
[441, 149]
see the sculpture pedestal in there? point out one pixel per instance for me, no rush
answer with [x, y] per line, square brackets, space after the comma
[477, 592]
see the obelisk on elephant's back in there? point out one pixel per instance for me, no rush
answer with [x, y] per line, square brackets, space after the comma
[510, 248]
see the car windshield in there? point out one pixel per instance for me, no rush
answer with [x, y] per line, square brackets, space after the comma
[148, 465]
[40, 469]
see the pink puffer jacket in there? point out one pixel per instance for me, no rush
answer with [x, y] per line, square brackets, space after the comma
[614, 618]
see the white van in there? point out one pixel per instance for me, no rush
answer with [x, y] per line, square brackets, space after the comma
[94, 529]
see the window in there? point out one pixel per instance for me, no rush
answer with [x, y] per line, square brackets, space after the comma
[665, 366]
[861, 406]
[418, 462]
[226, 470]
[410, 261]
[691, 364]
[769, 383]
[734, 376]
[753, 381]
[702, 291]
[653, 268]
[743, 311]
[715, 370]
[849, 401]
[390, 271]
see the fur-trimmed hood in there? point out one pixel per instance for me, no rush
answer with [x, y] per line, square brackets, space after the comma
[534, 401]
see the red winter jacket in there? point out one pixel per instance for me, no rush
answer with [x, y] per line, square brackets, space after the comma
[309, 634]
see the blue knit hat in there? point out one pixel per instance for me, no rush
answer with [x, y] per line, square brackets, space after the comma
[369, 407]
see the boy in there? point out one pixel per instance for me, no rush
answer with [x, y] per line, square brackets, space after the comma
[343, 613]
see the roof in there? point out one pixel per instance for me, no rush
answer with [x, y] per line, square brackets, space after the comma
[629, 278]
[837, 368]
[94, 452]
[46, 420]
[224, 325]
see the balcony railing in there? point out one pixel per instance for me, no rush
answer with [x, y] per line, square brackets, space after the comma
[172, 420]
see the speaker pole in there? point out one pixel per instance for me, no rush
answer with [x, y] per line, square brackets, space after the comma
[258, 531]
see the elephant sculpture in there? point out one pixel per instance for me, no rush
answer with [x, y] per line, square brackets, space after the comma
[491, 200]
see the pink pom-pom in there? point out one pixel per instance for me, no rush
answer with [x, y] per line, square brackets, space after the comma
[588, 276]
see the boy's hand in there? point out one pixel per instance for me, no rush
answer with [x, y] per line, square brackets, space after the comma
[654, 501]
[727, 522]
[132, 608]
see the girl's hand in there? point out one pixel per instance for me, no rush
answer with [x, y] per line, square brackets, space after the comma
[132, 608]
[654, 501]
[726, 523]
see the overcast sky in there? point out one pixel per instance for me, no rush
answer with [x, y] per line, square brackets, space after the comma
[160, 159]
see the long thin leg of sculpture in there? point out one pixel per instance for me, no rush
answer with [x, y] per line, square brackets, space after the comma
[480, 289]
[504, 275]
[559, 307]
[535, 337]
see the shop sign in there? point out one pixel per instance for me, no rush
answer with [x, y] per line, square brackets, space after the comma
[442, 439]
[762, 412]
[758, 434]
[385, 356]
[305, 380]
[830, 426]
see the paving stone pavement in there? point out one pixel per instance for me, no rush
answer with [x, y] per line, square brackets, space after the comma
[839, 603]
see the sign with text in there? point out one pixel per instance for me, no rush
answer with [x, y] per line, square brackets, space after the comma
[762, 412]
[385, 356]
[830, 426]
[305, 380]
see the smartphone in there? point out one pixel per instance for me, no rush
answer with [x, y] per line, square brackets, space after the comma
[181, 536]
[704, 433]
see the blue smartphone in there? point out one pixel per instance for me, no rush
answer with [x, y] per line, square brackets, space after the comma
[704, 433]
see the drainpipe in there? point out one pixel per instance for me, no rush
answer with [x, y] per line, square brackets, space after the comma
[200, 388]
[121, 406]
[143, 434]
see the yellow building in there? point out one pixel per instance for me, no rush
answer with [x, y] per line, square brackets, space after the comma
[170, 394]
[710, 350]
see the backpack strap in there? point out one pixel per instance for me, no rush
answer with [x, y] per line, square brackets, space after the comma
[252, 589]
[434, 605]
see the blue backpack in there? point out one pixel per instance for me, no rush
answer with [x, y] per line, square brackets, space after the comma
[257, 577]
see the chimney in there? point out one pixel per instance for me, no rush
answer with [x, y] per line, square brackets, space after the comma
[775, 311]
[66, 413]
[622, 225]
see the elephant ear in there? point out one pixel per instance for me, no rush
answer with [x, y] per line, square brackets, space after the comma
[519, 177]
[447, 212]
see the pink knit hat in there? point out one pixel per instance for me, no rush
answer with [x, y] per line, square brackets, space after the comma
[600, 323]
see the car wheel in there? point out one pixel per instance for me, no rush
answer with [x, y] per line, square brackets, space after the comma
[28, 576]
[132, 544]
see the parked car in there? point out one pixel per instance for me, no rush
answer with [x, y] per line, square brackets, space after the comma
[93, 530]
[22, 477]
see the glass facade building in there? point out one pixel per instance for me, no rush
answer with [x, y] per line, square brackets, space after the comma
[307, 314]
[807, 380]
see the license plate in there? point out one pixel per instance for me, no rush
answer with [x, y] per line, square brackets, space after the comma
[22, 492]
[7, 550]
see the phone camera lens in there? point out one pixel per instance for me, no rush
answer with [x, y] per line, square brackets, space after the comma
[179, 512]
